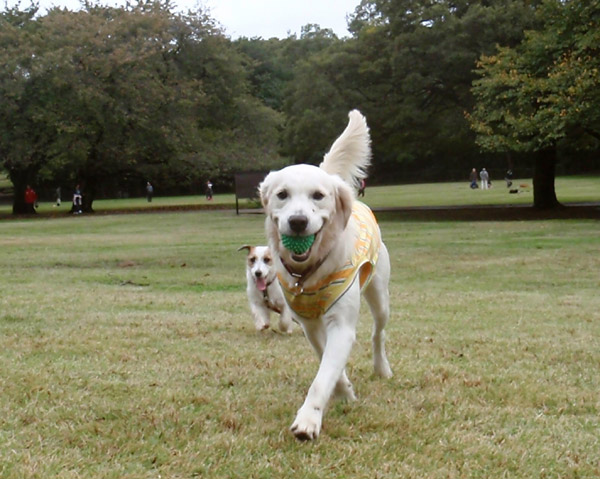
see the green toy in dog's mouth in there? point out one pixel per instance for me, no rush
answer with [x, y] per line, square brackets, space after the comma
[297, 244]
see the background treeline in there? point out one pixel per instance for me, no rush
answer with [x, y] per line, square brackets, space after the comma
[112, 97]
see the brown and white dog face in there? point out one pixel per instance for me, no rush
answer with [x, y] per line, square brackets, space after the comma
[259, 266]
[303, 200]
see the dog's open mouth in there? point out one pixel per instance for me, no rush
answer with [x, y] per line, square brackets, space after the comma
[300, 258]
[261, 284]
[299, 246]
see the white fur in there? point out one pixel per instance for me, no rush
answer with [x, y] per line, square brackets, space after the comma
[350, 155]
[259, 267]
[323, 197]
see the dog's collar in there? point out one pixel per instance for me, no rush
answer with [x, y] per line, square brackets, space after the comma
[302, 277]
[267, 301]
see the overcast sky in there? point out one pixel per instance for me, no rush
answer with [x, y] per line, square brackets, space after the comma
[253, 18]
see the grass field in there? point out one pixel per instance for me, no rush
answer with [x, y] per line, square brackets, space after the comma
[569, 189]
[127, 351]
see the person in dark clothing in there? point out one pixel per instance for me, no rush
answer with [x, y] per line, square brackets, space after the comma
[473, 179]
[77, 201]
[149, 192]
[361, 188]
[508, 178]
[209, 190]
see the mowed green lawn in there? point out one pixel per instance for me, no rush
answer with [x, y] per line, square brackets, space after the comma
[127, 351]
[571, 189]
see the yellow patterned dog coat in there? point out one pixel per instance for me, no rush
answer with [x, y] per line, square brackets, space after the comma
[313, 302]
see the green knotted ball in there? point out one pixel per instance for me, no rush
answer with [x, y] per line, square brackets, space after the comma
[297, 244]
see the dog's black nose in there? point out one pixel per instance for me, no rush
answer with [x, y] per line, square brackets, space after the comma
[258, 274]
[298, 223]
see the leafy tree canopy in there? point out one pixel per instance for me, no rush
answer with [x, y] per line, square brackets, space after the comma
[546, 89]
[107, 95]
[409, 67]
[544, 93]
[112, 97]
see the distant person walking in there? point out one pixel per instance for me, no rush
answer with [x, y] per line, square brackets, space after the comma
[209, 190]
[508, 178]
[473, 179]
[362, 186]
[485, 178]
[149, 192]
[77, 201]
[57, 194]
[30, 199]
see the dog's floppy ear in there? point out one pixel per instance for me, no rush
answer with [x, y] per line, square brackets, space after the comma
[246, 246]
[344, 198]
[264, 189]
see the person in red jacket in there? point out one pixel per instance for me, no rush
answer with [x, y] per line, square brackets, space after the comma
[30, 199]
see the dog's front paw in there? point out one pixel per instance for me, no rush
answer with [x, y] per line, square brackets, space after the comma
[261, 325]
[285, 327]
[307, 425]
[285, 322]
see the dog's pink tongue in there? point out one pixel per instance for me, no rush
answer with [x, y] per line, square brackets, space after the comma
[261, 284]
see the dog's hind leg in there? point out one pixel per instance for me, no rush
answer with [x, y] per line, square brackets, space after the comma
[378, 297]
[285, 320]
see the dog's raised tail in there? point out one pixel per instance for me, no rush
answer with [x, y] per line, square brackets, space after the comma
[350, 155]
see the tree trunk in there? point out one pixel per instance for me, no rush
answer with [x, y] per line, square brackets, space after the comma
[87, 202]
[544, 195]
[19, 181]
[89, 195]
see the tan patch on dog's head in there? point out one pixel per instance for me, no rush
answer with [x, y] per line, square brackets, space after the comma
[267, 258]
[251, 257]
[248, 247]
[254, 254]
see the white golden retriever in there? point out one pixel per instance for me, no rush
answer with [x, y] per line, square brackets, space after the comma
[322, 285]
[263, 290]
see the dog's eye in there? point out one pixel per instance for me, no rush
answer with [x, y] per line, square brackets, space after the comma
[282, 195]
[252, 260]
[267, 260]
[317, 195]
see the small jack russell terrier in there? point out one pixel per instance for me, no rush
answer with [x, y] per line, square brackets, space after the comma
[264, 292]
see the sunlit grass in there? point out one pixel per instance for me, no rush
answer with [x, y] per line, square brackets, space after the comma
[127, 351]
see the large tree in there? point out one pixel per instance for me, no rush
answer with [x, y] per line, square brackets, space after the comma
[432, 49]
[21, 154]
[543, 94]
[106, 96]
[94, 95]
[409, 67]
